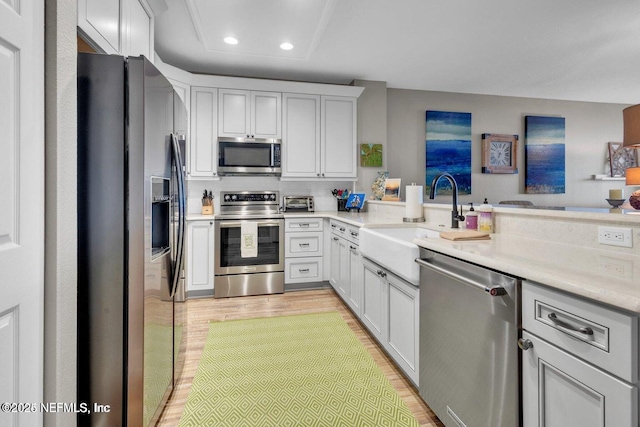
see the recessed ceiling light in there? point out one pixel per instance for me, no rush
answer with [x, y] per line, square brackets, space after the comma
[230, 40]
[286, 46]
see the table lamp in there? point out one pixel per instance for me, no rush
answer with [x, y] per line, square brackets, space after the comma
[633, 178]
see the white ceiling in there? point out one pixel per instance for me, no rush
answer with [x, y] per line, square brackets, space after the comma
[583, 50]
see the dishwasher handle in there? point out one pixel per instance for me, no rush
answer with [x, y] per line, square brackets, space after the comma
[493, 290]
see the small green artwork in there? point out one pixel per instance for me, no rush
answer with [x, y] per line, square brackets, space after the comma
[371, 155]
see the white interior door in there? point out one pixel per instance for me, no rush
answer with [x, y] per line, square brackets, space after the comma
[21, 208]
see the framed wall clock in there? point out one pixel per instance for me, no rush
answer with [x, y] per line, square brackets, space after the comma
[499, 153]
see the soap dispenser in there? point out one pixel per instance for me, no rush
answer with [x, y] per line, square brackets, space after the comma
[471, 219]
[485, 218]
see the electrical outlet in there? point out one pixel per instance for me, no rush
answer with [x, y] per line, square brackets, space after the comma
[615, 236]
[616, 267]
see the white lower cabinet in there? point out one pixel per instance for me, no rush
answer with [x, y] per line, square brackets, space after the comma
[403, 308]
[343, 280]
[374, 293]
[334, 267]
[560, 390]
[303, 244]
[390, 310]
[302, 270]
[579, 361]
[200, 253]
[346, 262]
[303, 250]
[355, 279]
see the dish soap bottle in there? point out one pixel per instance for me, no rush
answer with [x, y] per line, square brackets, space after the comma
[485, 217]
[471, 219]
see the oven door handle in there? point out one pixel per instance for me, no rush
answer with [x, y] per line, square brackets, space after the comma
[268, 223]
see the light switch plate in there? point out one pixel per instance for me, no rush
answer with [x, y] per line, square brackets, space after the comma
[615, 236]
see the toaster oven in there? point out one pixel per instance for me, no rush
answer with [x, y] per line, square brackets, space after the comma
[297, 204]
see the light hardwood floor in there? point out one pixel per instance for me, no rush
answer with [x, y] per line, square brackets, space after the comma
[201, 311]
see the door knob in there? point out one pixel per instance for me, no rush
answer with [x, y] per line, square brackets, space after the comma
[524, 344]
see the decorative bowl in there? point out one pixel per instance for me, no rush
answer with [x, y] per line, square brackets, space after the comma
[634, 200]
[615, 202]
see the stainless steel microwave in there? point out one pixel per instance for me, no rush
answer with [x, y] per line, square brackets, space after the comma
[249, 156]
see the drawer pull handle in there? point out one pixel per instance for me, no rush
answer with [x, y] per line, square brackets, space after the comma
[333, 226]
[342, 228]
[354, 234]
[303, 270]
[335, 238]
[304, 225]
[561, 323]
[524, 344]
[303, 245]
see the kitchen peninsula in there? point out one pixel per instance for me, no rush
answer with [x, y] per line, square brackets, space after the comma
[556, 247]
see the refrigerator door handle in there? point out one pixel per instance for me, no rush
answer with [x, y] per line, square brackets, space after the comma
[177, 160]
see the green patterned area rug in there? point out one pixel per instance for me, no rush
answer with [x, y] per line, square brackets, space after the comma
[305, 370]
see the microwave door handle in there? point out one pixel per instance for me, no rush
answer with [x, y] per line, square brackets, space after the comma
[272, 149]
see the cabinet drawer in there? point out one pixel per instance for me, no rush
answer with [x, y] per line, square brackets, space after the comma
[338, 227]
[303, 244]
[303, 224]
[353, 234]
[349, 232]
[598, 334]
[299, 270]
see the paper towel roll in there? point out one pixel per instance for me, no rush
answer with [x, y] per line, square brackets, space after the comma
[414, 201]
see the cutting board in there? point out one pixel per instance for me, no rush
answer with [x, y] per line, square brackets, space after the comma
[465, 235]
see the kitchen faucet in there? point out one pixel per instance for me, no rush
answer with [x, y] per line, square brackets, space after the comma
[455, 217]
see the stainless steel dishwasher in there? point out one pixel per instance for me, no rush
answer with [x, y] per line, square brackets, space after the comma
[469, 326]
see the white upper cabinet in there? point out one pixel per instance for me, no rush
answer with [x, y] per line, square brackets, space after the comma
[319, 136]
[203, 141]
[266, 115]
[121, 27]
[301, 135]
[338, 137]
[249, 114]
[184, 96]
[100, 25]
[139, 29]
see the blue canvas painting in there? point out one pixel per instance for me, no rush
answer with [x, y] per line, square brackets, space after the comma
[544, 155]
[448, 149]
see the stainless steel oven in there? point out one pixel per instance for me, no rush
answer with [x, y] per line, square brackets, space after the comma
[253, 217]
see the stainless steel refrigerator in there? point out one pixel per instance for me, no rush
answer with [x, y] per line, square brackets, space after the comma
[131, 228]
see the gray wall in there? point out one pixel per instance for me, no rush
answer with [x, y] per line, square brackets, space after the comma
[589, 127]
[60, 286]
[372, 128]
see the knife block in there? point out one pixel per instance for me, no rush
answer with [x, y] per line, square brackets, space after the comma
[207, 210]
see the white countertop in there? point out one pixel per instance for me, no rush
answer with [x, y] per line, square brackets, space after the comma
[609, 277]
[605, 276]
[200, 217]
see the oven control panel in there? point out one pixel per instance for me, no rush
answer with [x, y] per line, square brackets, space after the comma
[249, 196]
